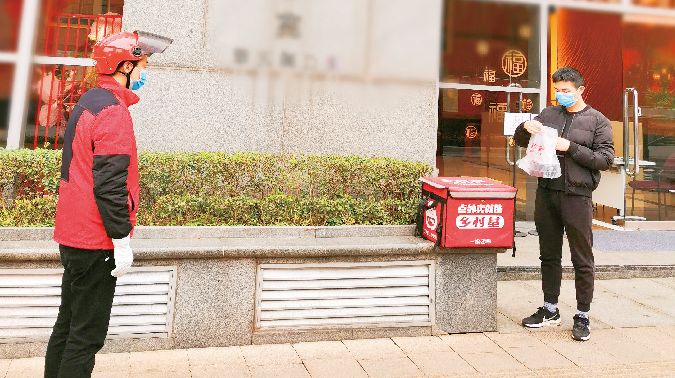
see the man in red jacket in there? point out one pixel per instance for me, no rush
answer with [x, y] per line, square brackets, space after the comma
[98, 200]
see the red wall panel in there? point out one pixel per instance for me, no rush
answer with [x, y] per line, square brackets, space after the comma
[591, 43]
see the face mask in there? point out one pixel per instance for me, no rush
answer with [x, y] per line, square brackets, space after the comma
[138, 84]
[565, 99]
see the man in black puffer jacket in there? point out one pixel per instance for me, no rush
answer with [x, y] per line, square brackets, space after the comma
[584, 149]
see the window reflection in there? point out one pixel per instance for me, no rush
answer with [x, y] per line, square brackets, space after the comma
[490, 44]
[649, 66]
[656, 3]
[10, 15]
[69, 28]
[6, 75]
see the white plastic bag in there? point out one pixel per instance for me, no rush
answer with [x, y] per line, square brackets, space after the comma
[541, 159]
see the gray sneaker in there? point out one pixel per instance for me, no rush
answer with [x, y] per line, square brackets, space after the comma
[581, 331]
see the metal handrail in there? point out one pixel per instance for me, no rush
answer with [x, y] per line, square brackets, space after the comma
[508, 151]
[626, 133]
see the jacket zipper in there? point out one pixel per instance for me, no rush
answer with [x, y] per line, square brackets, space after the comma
[562, 135]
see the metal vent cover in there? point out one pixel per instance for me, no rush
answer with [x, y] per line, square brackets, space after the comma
[143, 305]
[382, 294]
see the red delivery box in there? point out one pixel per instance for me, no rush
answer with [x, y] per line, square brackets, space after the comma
[461, 212]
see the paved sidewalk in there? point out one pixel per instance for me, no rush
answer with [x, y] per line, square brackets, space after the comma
[633, 335]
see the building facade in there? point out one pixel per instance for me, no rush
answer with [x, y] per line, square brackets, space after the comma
[430, 81]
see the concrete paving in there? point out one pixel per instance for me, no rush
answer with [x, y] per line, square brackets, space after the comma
[633, 335]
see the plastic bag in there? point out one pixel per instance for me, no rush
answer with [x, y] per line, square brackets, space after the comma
[541, 159]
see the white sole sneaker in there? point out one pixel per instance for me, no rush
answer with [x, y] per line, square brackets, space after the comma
[545, 323]
[585, 338]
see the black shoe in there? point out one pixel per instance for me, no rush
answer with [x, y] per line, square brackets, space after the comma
[581, 331]
[542, 317]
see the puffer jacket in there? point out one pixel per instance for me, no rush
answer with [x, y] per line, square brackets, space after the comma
[591, 146]
[99, 187]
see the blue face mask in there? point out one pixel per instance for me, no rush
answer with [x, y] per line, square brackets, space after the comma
[138, 84]
[565, 99]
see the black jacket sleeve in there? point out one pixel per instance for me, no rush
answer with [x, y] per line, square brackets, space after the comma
[601, 154]
[521, 136]
[110, 192]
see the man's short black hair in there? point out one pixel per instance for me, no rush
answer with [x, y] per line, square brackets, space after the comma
[568, 74]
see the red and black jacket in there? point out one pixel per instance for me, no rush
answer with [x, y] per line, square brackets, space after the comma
[99, 187]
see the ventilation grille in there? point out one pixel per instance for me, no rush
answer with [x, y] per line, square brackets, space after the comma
[354, 294]
[30, 298]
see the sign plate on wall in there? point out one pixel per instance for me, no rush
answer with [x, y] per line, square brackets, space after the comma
[512, 120]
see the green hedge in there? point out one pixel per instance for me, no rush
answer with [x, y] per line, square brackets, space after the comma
[239, 189]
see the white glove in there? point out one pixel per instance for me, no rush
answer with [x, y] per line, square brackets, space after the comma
[123, 256]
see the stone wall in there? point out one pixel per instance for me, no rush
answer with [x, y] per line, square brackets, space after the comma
[216, 267]
[329, 77]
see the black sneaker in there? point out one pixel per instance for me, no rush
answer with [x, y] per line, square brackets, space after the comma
[542, 317]
[581, 331]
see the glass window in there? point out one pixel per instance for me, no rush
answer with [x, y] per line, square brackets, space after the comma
[595, 1]
[10, 17]
[490, 43]
[471, 141]
[6, 77]
[54, 91]
[656, 3]
[649, 66]
[649, 62]
[70, 28]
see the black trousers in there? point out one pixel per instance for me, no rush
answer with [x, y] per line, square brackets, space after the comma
[87, 292]
[554, 213]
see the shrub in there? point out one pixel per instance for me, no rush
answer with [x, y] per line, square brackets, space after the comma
[210, 188]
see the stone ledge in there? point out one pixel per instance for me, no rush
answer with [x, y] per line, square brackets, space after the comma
[238, 248]
[227, 242]
[220, 232]
[386, 247]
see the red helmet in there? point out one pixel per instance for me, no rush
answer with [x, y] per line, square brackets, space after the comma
[126, 46]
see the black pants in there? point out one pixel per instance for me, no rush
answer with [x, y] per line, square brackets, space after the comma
[87, 293]
[554, 212]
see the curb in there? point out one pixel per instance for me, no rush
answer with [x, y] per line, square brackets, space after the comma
[604, 272]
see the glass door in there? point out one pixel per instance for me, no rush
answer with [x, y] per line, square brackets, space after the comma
[471, 140]
[490, 65]
[649, 69]
[630, 79]
[629, 66]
